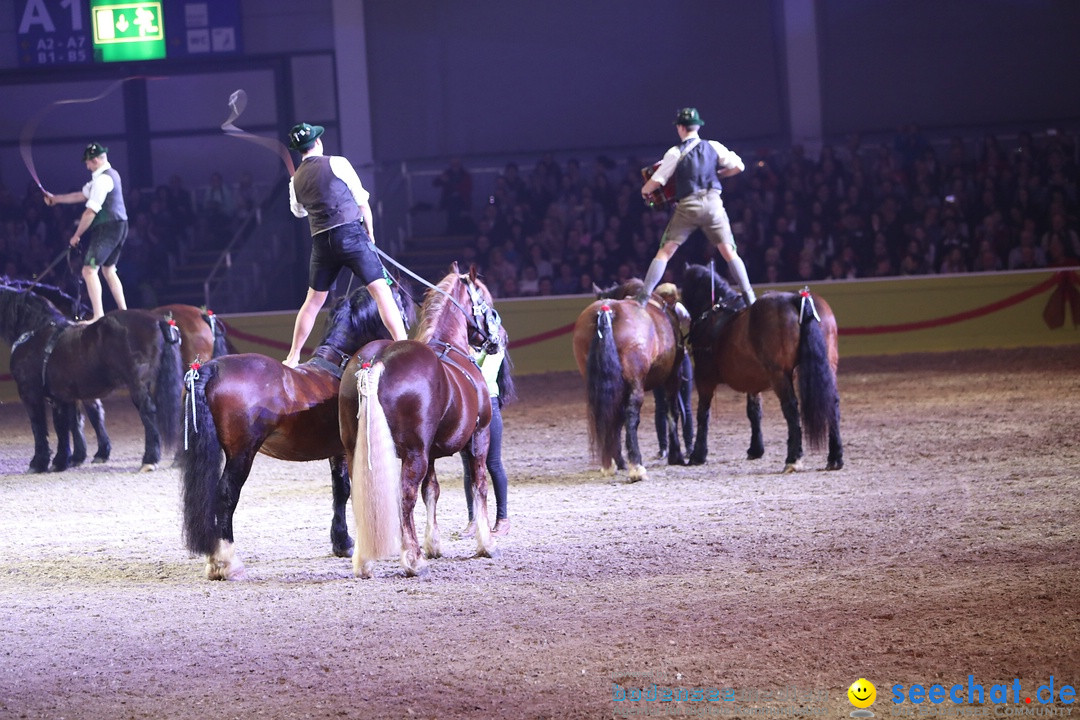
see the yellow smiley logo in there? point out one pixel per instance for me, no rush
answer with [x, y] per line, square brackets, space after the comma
[862, 693]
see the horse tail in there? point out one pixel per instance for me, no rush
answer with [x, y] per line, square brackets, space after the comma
[376, 475]
[218, 330]
[170, 385]
[200, 470]
[819, 399]
[605, 390]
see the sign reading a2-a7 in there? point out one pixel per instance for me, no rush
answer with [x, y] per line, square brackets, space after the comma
[53, 32]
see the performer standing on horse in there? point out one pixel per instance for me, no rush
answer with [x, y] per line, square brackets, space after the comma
[697, 167]
[105, 217]
[327, 191]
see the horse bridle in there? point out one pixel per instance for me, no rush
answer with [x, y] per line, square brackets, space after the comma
[485, 318]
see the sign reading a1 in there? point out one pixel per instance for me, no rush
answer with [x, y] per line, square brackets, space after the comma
[53, 32]
[125, 30]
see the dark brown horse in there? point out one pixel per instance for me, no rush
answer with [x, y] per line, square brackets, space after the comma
[202, 337]
[56, 360]
[414, 401]
[624, 350]
[240, 405]
[781, 337]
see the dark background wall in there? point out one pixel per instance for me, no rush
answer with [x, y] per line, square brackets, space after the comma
[489, 77]
[948, 63]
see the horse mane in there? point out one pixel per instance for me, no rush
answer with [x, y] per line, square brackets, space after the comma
[435, 321]
[627, 289]
[63, 300]
[357, 315]
[22, 310]
[699, 284]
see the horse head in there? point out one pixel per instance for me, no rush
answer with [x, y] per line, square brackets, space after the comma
[702, 289]
[354, 319]
[459, 309]
[22, 311]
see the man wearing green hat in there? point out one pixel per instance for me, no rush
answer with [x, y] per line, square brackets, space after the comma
[327, 191]
[105, 218]
[697, 166]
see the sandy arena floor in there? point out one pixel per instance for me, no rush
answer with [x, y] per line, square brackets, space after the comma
[948, 546]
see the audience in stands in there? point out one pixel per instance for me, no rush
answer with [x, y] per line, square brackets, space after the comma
[900, 208]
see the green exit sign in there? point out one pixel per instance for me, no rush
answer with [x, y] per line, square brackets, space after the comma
[125, 30]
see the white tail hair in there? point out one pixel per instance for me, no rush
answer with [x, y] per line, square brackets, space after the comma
[376, 477]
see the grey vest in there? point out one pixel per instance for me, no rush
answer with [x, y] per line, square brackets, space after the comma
[113, 209]
[324, 195]
[697, 171]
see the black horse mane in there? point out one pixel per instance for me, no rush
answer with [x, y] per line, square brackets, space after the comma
[63, 300]
[357, 315]
[702, 288]
[22, 310]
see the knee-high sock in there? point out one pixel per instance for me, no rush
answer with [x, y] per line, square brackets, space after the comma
[654, 274]
[738, 269]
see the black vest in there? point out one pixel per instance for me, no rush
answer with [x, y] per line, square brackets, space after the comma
[113, 209]
[697, 171]
[324, 195]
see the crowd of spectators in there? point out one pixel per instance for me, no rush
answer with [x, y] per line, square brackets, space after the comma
[161, 221]
[896, 208]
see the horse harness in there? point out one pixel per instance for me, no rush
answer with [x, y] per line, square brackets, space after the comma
[326, 363]
[444, 357]
[50, 345]
[725, 309]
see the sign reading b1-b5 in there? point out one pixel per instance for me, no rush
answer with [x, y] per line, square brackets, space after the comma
[53, 32]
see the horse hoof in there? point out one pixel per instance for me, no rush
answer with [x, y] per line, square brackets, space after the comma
[835, 465]
[792, 467]
[676, 460]
[637, 474]
[433, 551]
[696, 460]
[491, 552]
[148, 467]
[606, 471]
[99, 460]
[419, 570]
[343, 551]
[661, 455]
[363, 569]
[218, 570]
[36, 470]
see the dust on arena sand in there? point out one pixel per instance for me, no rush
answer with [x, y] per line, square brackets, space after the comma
[947, 547]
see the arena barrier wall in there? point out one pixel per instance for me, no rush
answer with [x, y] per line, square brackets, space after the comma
[876, 317]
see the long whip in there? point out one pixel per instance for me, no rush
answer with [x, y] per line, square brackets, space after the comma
[27, 134]
[237, 104]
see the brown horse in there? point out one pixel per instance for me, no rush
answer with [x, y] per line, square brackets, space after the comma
[203, 335]
[752, 350]
[624, 350]
[240, 405]
[415, 401]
